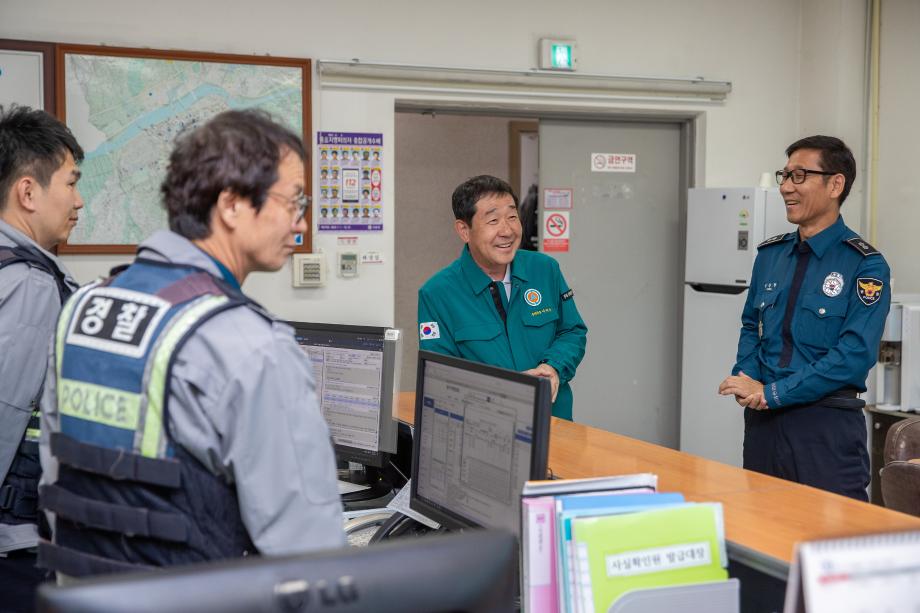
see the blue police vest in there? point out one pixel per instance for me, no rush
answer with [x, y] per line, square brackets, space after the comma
[127, 497]
[19, 489]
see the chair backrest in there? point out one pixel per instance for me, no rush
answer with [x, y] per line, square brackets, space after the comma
[900, 477]
[903, 440]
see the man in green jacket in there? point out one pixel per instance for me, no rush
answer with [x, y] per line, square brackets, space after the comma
[500, 306]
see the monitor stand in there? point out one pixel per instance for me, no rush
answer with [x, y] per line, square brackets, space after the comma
[399, 525]
[379, 481]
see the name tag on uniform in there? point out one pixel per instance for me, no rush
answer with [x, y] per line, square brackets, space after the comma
[116, 320]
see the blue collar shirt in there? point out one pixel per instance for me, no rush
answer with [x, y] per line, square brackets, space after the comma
[836, 322]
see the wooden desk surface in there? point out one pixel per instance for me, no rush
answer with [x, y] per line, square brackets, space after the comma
[762, 513]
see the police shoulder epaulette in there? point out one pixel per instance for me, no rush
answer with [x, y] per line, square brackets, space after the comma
[862, 246]
[772, 241]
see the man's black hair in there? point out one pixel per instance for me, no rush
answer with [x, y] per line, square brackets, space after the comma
[239, 151]
[32, 143]
[473, 190]
[836, 157]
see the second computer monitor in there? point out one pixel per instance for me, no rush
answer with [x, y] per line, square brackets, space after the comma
[356, 369]
[480, 433]
[473, 573]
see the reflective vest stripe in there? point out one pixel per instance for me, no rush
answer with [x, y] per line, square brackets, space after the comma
[63, 321]
[34, 429]
[152, 441]
[99, 404]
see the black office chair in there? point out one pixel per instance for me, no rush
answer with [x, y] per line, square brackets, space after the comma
[901, 474]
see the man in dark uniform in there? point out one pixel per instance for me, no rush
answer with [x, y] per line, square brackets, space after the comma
[810, 331]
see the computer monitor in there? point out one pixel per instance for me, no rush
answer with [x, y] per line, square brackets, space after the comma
[480, 433]
[472, 572]
[356, 369]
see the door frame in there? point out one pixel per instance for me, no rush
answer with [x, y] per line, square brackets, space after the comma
[515, 130]
[692, 144]
[692, 122]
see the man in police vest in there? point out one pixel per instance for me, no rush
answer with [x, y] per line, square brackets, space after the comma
[182, 419]
[498, 305]
[39, 205]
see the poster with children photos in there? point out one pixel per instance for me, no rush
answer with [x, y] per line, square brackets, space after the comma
[350, 172]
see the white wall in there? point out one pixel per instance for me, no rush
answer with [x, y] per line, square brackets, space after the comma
[832, 86]
[757, 45]
[367, 299]
[899, 143]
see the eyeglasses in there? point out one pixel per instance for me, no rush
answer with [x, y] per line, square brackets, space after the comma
[301, 201]
[799, 175]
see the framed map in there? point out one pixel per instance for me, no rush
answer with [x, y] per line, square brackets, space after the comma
[27, 74]
[127, 106]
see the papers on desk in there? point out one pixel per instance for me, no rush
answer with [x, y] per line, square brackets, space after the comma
[582, 552]
[874, 573]
[346, 487]
[642, 481]
[400, 504]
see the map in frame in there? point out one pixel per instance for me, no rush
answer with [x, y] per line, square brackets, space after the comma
[126, 113]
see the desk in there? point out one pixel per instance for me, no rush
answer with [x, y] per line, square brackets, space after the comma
[764, 516]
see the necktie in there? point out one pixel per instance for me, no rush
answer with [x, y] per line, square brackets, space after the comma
[495, 289]
[803, 253]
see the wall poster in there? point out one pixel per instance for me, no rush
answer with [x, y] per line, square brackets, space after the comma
[350, 171]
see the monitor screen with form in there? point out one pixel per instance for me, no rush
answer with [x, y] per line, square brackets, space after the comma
[481, 432]
[356, 373]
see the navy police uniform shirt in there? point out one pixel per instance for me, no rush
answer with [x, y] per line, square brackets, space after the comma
[828, 337]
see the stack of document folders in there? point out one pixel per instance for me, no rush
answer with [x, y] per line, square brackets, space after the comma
[617, 544]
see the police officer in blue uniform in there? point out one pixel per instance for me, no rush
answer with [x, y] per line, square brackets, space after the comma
[499, 305]
[810, 331]
[182, 421]
[39, 205]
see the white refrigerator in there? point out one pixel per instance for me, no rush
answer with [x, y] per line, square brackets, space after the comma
[724, 227]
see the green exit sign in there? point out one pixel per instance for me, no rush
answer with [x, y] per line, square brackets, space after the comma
[562, 57]
[556, 54]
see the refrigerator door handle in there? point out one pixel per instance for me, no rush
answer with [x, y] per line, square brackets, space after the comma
[715, 288]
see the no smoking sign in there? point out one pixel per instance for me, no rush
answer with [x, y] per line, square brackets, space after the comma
[556, 231]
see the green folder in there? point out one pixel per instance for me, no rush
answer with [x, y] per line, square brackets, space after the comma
[672, 546]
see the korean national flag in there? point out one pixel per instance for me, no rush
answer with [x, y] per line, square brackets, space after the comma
[428, 331]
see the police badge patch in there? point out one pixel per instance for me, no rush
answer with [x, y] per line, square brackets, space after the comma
[869, 290]
[833, 284]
